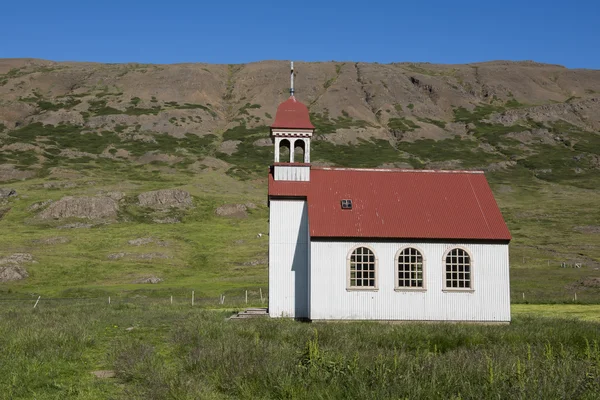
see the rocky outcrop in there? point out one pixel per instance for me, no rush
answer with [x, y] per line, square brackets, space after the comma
[5, 193]
[232, 210]
[11, 267]
[165, 199]
[13, 273]
[149, 279]
[81, 207]
[8, 172]
[143, 256]
[146, 241]
[52, 240]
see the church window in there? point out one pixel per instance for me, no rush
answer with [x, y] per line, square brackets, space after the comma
[458, 270]
[362, 269]
[410, 269]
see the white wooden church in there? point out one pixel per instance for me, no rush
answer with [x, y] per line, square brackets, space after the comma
[380, 244]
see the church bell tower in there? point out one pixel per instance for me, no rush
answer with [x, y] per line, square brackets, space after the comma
[291, 133]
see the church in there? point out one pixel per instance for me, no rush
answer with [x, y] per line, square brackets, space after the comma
[380, 244]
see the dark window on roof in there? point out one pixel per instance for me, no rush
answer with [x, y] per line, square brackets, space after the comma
[347, 204]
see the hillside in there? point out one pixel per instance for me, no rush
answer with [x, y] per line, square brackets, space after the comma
[110, 132]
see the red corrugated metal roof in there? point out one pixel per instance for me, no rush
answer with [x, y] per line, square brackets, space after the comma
[409, 204]
[292, 114]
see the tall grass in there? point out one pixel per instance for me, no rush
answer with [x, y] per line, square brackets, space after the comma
[176, 352]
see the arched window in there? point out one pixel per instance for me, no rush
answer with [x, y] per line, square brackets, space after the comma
[299, 151]
[362, 269]
[410, 269]
[458, 269]
[284, 150]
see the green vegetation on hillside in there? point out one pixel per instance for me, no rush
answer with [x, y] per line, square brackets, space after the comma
[324, 124]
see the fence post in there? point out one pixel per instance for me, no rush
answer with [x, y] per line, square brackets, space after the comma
[109, 300]
[523, 295]
[261, 296]
[171, 299]
[192, 297]
[37, 301]
[246, 296]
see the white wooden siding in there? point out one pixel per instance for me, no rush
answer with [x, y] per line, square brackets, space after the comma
[288, 259]
[292, 173]
[489, 300]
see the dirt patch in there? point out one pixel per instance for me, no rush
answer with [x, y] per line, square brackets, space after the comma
[70, 153]
[81, 207]
[5, 193]
[152, 157]
[144, 256]
[104, 374]
[59, 185]
[63, 173]
[587, 229]
[52, 240]
[21, 147]
[3, 212]
[167, 220]
[213, 163]
[76, 225]
[499, 166]
[165, 198]
[8, 172]
[117, 196]
[229, 146]
[149, 279]
[253, 263]
[232, 210]
[145, 241]
[39, 205]
[589, 282]
[263, 142]
[504, 189]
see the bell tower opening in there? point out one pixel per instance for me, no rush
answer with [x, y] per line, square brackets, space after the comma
[284, 151]
[300, 151]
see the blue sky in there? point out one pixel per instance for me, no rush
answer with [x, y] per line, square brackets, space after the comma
[460, 31]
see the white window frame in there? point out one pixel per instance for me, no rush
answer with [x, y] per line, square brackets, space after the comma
[362, 288]
[399, 288]
[471, 288]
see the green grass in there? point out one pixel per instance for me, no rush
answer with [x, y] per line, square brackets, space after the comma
[401, 125]
[464, 150]
[191, 106]
[435, 122]
[244, 109]
[587, 312]
[202, 247]
[324, 124]
[364, 154]
[162, 351]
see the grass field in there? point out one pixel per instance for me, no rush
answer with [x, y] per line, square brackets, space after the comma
[159, 351]
[584, 312]
[215, 255]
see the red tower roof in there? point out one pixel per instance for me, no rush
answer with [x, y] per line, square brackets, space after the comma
[292, 114]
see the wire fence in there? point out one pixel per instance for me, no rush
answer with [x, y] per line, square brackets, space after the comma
[249, 299]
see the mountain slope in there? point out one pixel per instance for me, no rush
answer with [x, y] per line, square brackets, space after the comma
[87, 129]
